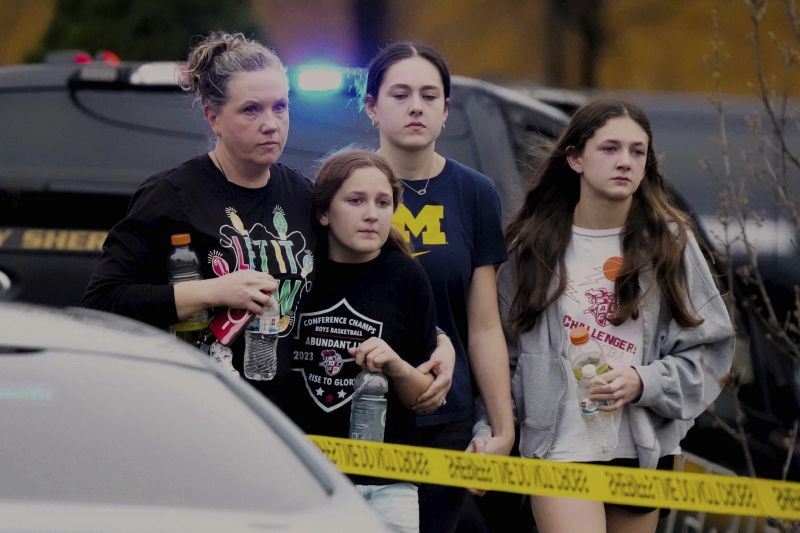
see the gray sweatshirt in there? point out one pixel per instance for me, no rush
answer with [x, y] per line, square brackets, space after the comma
[681, 367]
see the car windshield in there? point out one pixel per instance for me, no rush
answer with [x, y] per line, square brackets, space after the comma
[74, 431]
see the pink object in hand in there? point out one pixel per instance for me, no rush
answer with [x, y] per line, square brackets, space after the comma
[229, 323]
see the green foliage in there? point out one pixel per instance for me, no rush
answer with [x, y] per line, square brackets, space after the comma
[142, 29]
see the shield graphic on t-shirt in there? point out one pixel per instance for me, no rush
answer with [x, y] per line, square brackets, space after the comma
[322, 356]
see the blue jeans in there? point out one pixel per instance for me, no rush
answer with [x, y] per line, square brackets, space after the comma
[397, 504]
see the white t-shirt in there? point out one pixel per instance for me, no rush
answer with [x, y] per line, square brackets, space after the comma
[593, 260]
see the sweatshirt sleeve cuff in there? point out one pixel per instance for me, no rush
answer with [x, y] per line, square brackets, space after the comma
[650, 388]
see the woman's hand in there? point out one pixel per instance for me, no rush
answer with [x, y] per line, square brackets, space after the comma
[243, 289]
[623, 385]
[376, 356]
[441, 364]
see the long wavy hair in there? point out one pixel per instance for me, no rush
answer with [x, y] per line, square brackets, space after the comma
[655, 232]
[335, 170]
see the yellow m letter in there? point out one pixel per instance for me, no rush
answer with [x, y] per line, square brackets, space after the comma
[428, 223]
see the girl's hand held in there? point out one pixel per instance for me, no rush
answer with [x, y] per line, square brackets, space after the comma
[377, 356]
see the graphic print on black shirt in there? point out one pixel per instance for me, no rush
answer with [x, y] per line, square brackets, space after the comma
[322, 358]
[279, 252]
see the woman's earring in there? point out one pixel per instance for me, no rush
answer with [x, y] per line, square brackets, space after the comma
[376, 123]
[444, 123]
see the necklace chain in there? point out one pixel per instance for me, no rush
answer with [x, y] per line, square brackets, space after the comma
[421, 191]
[215, 158]
[424, 189]
[231, 191]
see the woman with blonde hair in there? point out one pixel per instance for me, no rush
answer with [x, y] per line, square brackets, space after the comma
[249, 216]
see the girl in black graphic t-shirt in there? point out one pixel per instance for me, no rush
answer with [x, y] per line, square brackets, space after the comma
[372, 307]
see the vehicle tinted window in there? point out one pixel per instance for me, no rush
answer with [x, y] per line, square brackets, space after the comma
[111, 140]
[113, 430]
[100, 141]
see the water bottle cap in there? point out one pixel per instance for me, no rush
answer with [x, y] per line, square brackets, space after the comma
[579, 335]
[180, 239]
[588, 371]
[371, 383]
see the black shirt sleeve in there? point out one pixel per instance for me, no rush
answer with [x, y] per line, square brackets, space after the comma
[131, 276]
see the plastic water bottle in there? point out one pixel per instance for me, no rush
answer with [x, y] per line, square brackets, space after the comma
[588, 364]
[368, 409]
[183, 266]
[261, 344]
[583, 351]
[600, 425]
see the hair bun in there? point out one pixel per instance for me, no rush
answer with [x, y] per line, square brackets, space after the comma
[218, 57]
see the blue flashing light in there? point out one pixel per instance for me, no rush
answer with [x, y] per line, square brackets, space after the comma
[319, 78]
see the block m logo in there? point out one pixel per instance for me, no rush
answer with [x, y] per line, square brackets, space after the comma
[427, 223]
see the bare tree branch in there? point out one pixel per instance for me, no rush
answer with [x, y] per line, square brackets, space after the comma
[757, 8]
[737, 217]
[791, 10]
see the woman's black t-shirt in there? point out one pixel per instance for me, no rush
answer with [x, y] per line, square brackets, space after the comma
[269, 229]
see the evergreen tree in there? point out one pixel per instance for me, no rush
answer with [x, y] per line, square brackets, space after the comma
[142, 29]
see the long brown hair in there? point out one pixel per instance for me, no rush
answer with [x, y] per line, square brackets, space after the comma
[338, 167]
[655, 232]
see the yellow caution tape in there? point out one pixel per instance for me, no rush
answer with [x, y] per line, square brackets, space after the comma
[710, 493]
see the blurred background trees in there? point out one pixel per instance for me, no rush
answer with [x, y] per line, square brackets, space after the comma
[624, 44]
[140, 29]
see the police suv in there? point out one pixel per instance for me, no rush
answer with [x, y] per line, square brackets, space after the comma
[80, 137]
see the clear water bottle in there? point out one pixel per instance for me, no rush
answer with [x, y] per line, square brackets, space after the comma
[368, 409]
[261, 344]
[183, 265]
[602, 431]
[584, 350]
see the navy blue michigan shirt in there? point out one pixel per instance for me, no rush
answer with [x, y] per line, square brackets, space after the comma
[454, 228]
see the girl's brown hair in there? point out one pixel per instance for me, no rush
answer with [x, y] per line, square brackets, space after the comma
[337, 168]
[655, 232]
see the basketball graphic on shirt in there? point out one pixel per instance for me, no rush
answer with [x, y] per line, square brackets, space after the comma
[612, 268]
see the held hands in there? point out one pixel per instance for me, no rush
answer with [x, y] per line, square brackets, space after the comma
[377, 356]
[497, 445]
[441, 364]
[243, 289]
[623, 385]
